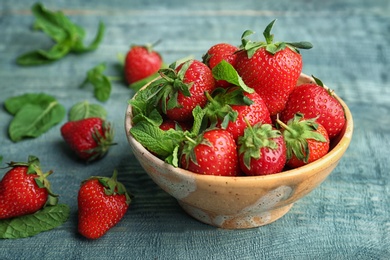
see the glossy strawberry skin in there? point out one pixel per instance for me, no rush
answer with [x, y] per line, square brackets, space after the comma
[81, 136]
[273, 76]
[254, 113]
[20, 194]
[98, 212]
[217, 53]
[271, 161]
[316, 150]
[202, 80]
[219, 157]
[313, 100]
[141, 62]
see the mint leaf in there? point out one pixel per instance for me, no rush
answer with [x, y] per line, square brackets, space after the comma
[45, 219]
[225, 71]
[84, 110]
[67, 36]
[34, 114]
[100, 82]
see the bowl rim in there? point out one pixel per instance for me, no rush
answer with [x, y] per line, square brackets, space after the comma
[333, 156]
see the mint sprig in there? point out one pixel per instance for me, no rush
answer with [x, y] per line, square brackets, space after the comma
[84, 109]
[100, 82]
[67, 36]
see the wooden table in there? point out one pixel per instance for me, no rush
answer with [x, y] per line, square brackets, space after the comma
[347, 217]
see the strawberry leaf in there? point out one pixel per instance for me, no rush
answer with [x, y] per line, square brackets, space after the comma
[46, 219]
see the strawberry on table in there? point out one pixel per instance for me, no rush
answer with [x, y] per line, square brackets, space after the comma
[213, 153]
[89, 138]
[306, 140]
[141, 62]
[262, 150]
[181, 89]
[25, 189]
[102, 203]
[270, 68]
[217, 53]
[314, 100]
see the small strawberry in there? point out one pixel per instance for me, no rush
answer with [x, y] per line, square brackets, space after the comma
[314, 100]
[102, 203]
[141, 62]
[182, 89]
[306, 140]
[212, 153]
[25, 189]
[89, 138]
[270, 68]
[262, 150]
[217, 53]
[229, 108]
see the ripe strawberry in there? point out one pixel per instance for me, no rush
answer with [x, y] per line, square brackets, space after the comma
[262, 150]
[141, 62]
[313, 100]
[102, 203]
[89, 138]
[217, 53]
[230, 109]
[270, 68]
[212, 153]
[182, 89]
[25, 189]
[306, 140]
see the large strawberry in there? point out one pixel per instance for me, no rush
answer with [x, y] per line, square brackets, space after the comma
[181, 89]
[213, 153]
[314, 100]
[233, 108]
[306, 140]
[89, 138]
[217, 53]
[141, 62]
[102, 203]
[270, 68]
[25, 189]
[262, 150]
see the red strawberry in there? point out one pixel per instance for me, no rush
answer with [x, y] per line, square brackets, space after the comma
[231, 108]
[89, 138]
[217, 53]
[313, 100]
[141, 62]
[102, 203]
[24, 189]
[262, 150]
[270, 68]
[213, 153]
[306, 140]
[182, 89]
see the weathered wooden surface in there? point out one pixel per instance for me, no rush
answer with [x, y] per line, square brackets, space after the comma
[347, 217]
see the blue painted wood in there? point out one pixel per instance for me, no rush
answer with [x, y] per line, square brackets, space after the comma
[347, 217]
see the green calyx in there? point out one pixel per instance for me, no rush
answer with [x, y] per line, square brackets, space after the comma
[112, 186]
[254, 139]
[296, 134]
[272, 47]
[104, 141]
[33, 167]
[170, 84]
[219, 106]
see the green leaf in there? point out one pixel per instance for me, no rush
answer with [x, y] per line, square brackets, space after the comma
[84, 110]
[14, 104]
[32, 119]
[100, 82]
[46, 219]
[225, 71]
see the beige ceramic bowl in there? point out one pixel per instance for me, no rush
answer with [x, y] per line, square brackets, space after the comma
[240, 202]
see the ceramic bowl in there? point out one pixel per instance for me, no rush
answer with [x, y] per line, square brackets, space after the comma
[245, 201]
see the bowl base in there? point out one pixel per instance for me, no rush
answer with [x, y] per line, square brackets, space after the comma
[237, 221]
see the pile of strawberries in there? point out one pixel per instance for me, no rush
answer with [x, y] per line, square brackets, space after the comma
[238, 111]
